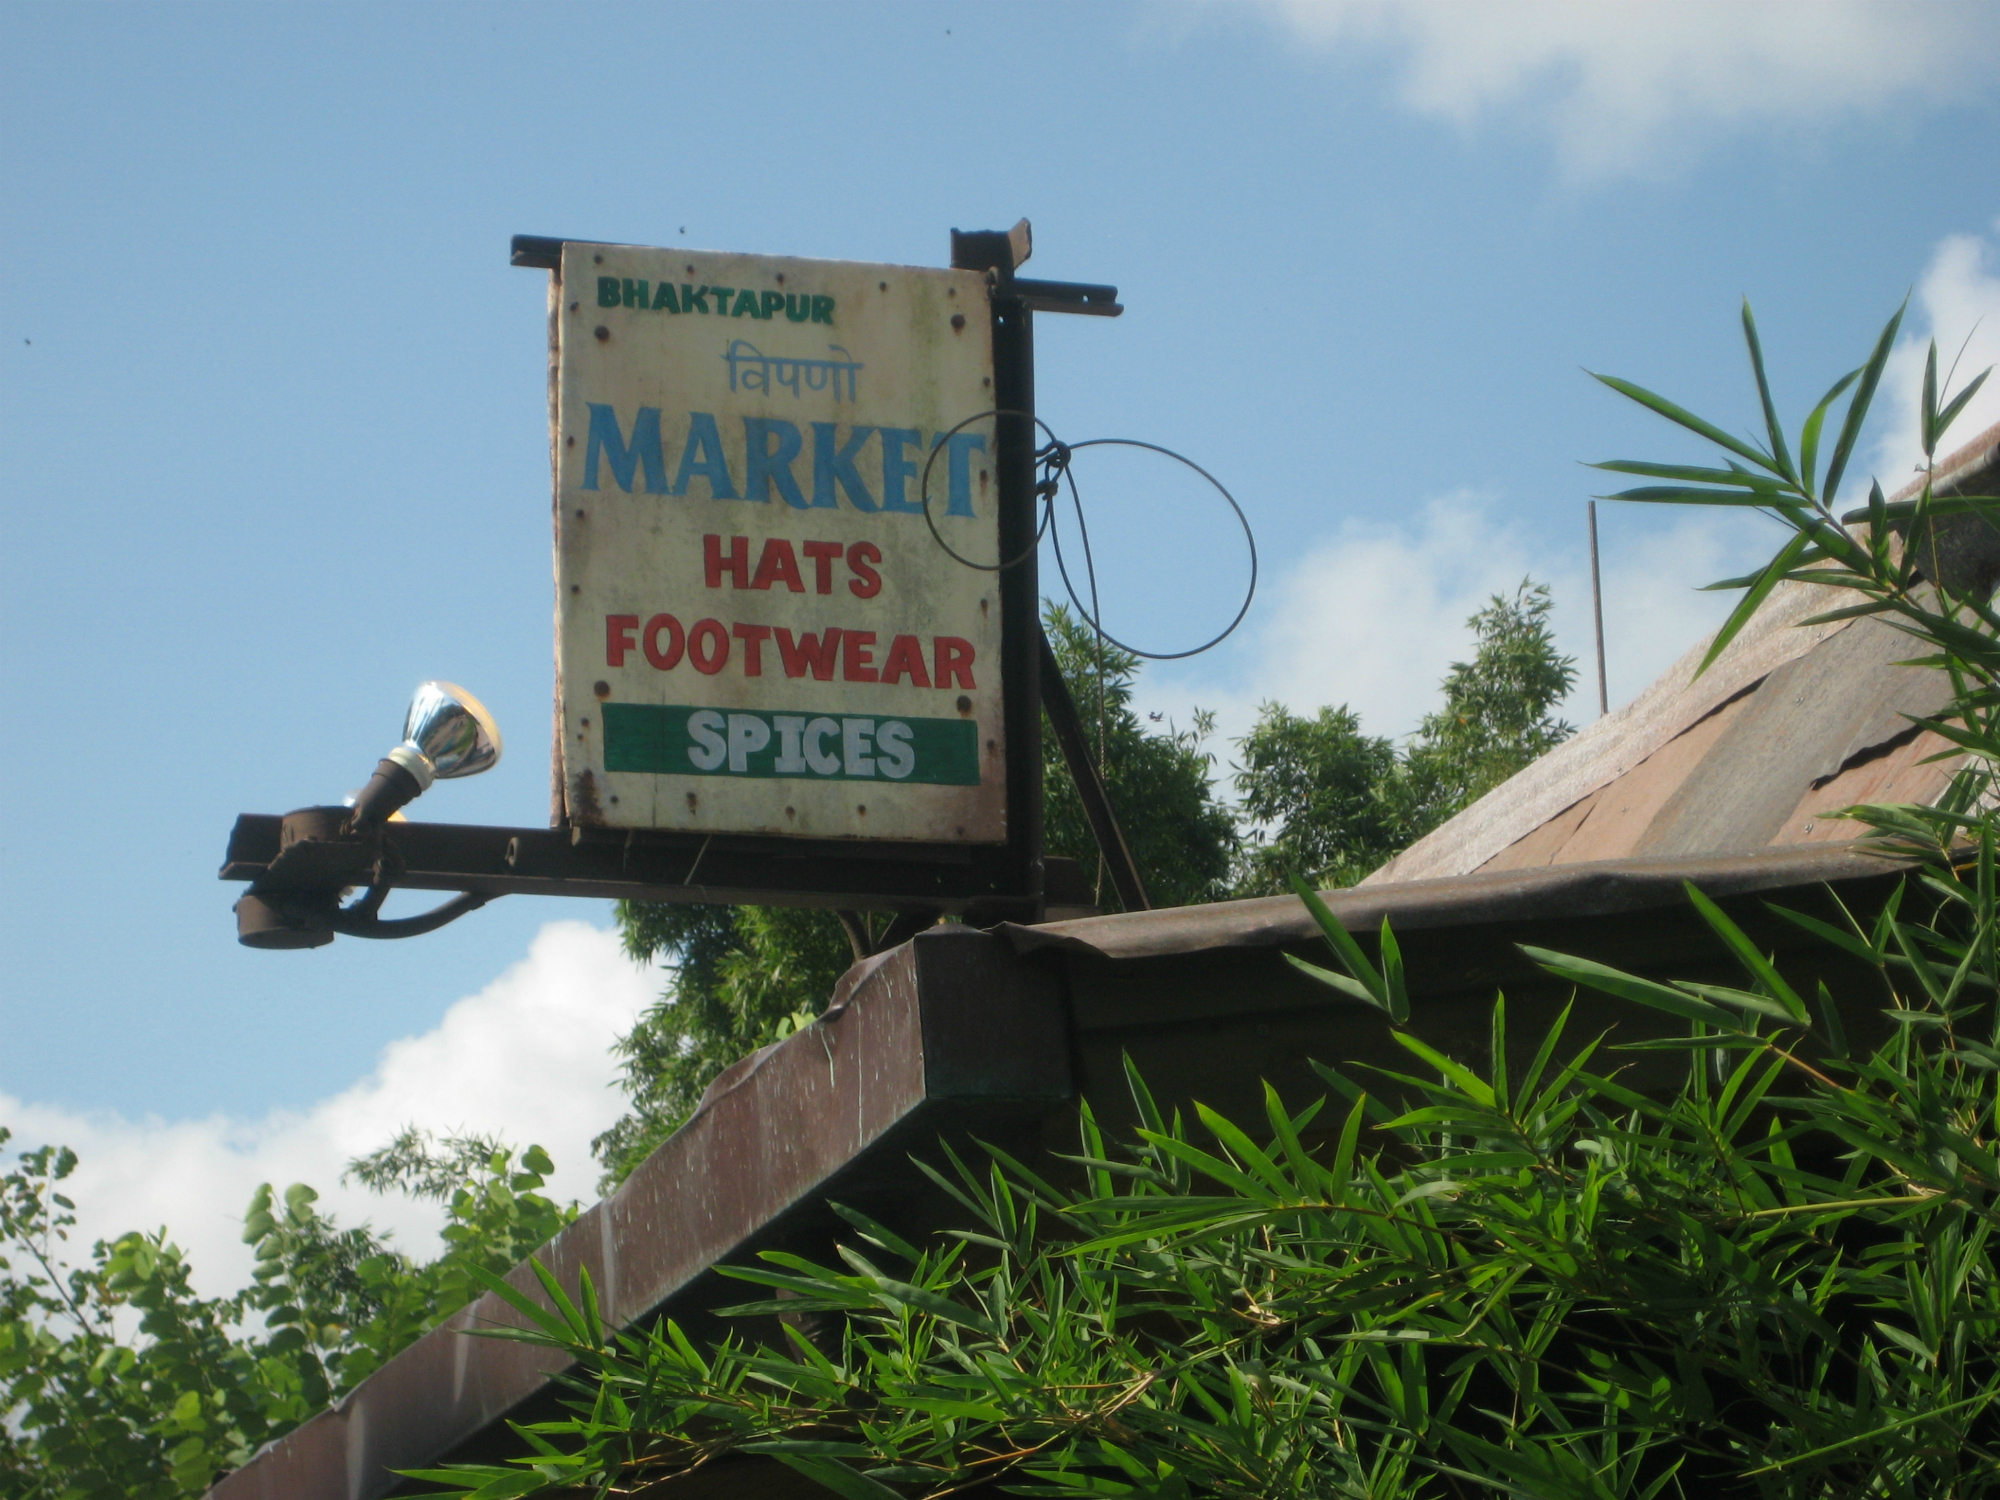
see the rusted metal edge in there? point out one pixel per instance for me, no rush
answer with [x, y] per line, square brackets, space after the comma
[1598, 888]
[1067, 297]
[953, 1027]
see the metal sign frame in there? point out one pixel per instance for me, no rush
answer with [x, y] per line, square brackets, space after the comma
[298, 864]
[1005, 880]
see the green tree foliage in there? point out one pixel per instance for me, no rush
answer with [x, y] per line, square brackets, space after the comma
[89, 1413]
[746, 976]
[1330, 802]
[1181, 836]
[1498, 710]
[1776, 1279]
[1321, 796]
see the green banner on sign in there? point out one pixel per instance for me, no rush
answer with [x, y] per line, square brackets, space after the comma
[678, 740]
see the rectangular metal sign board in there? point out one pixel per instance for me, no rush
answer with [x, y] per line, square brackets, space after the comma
[756, 630]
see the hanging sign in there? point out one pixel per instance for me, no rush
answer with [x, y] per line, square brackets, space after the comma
[757, 632]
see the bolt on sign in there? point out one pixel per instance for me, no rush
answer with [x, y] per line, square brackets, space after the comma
[756, 631]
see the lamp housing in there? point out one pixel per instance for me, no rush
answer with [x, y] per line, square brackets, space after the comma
[446, 734]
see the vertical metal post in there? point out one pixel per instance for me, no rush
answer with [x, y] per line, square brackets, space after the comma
[1030, 664]
[1597, 608]
[1020, 587]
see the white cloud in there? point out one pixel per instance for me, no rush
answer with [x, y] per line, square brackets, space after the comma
[1617, 83]
[1375, 616]
[525, 1059]
[1957, 303]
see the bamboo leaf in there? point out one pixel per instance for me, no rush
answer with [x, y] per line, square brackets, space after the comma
[1398, 993]
[1927, 407]
[1772, 426]
[1809, 434]
[1760, 968]
[1685, 418]
[1688, 473]
[1724, 585]
[1759, 591]
[1142, 1097]
[549, 1322]
[1373, 986]
[1631, 987]
[1332, 980]
[1950, 413]
[567, 1310]
[887, 1238]
[1857, 407]
[936, 1305]
[1474, 1086]
[1304, 1168]
[1341, 1173]
[1748, 1000]
[1545, 1053]
[834, 1475]
[1929, 1413]
[1851, 612]
[1246, 1150]
[1676, 494]
[1210, 1165]
[1826, 931]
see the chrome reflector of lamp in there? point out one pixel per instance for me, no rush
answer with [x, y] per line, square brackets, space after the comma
[447, 733]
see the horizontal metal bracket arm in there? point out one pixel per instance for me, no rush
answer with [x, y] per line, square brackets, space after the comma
[309, 860]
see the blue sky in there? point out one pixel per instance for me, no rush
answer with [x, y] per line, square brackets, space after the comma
[275, 444]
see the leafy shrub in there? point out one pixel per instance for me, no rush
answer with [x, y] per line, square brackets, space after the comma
[90, 1412]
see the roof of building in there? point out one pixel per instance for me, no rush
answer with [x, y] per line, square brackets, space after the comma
[967, 1035]
[1791, 723]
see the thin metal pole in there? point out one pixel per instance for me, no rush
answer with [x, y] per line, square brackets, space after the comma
[1597, 608]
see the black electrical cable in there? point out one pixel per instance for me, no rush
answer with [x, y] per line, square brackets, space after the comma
[1042, 492]
[1056, 466]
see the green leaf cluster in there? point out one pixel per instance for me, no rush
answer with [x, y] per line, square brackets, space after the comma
[1324, 799]
[120, 1381]
[745, 976]
[740, 978]
[1877, 560]
[1500, 1275]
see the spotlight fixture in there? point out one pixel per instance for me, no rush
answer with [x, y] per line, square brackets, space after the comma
[325, 851]
[447, 733]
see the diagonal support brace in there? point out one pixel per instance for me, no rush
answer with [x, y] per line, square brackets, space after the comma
[1068, 725]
